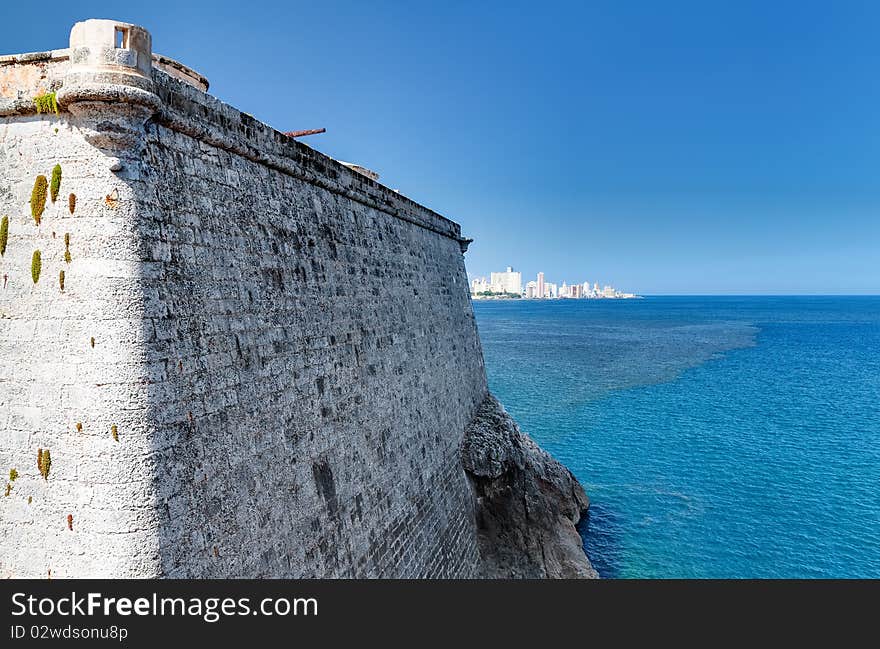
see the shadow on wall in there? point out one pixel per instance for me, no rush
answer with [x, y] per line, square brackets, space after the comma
[314, 363]
[313, 366]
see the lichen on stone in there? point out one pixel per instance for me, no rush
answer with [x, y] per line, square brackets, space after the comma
[4, 234]
[38, 198]
[46, 103]
[55, 183]
[36, 266]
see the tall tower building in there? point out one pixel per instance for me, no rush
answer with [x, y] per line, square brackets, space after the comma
[540, 291]
[510, 281]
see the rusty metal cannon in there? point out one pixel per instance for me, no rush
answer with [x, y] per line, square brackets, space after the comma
[310, 131]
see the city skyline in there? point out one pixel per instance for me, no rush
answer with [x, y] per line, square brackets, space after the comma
[509, 283]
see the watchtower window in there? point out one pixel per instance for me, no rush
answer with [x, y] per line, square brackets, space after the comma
[121, 38]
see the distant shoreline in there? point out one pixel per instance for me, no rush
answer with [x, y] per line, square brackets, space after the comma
[516, 298]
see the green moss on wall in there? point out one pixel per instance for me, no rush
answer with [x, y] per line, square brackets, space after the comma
[36, 266]
[46, 103]
[44, 462]
[4, 234]
[38, 198]
[55, 184]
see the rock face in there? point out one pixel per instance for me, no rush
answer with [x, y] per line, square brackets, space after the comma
[527, 503]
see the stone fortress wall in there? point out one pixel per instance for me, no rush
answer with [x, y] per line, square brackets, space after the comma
[239, 357]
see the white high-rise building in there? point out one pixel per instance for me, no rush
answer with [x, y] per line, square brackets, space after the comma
[479, 285]
[540, 286]
[510, 281]
[531, 290]
[551, 290]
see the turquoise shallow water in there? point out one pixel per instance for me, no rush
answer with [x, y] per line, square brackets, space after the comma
[716, 436]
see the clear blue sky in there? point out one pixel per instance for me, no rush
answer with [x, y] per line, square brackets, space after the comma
[664, 147]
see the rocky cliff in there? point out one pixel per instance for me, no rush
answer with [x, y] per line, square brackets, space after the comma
[527, 503]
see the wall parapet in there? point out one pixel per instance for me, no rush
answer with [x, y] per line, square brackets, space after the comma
[195, 113]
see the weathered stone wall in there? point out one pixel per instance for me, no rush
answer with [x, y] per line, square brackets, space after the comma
[315, 364]
[285, 348]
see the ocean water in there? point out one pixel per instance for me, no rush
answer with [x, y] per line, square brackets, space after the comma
[719, 437]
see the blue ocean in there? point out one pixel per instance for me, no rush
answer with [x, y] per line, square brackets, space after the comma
[717, 437]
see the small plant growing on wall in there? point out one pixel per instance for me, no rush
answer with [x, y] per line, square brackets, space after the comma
[13, 475]
[70, 522]
[71, 203]
[92, 341]
[55, 184]
[61, 279]
[114, 432]
[36, 266]
[67, 247]
[38, 198]
[46, 103]
[79, 427]
[4, 234]
[44, 462]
